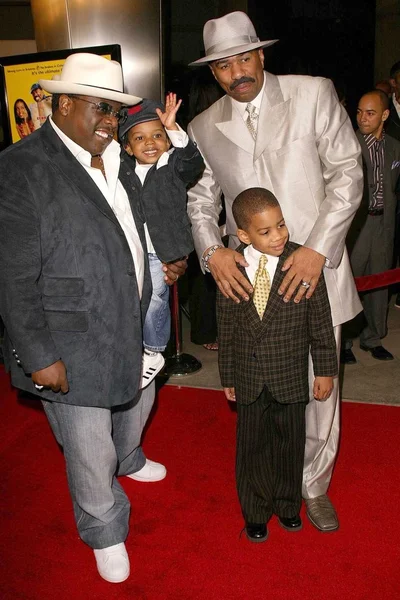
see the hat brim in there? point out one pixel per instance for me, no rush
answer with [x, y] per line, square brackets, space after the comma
[232, 52]
[63, 87]
[123, 129]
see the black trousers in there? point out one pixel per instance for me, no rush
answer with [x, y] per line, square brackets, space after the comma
[270, 448]
[202, 304]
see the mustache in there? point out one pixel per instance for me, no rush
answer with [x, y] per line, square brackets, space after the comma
[240, 81]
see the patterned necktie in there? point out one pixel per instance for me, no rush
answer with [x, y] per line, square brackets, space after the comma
[252, 119]
[97, 163]
[262, 286]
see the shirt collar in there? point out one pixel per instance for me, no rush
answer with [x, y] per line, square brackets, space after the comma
[83, 156]
[255, 255]
[371, 140]
[241, 106]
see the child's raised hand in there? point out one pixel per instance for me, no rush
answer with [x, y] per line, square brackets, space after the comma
[167, 118]
[323, 387]
[230, 394]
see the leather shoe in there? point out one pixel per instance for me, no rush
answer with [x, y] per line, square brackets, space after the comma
[291, 523]
[113, 563]
[256, 532]
[321, 513]
[378, 352]
[347, 357]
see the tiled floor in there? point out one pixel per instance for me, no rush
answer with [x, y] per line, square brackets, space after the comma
[369, 380]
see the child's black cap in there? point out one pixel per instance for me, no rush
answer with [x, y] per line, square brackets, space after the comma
[140, 113]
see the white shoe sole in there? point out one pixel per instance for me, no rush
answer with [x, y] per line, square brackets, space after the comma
[148, 479]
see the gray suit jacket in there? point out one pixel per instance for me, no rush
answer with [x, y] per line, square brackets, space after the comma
[392, 125]
[391, 174]
[274, 351]
[306, 153]
[67, 280]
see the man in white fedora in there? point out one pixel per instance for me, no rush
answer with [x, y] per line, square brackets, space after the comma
[288, 134]
[74, 290]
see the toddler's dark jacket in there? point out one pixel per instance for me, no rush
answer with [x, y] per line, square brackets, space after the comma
[163, 200]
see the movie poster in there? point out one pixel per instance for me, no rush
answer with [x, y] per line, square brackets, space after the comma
[26, 103]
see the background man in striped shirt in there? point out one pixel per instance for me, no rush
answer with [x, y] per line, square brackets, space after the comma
[371, 235]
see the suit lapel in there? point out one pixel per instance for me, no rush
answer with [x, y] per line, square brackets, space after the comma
[365, 151]
[273, 115]
[69, 168]
[389, 173]
[233, 127]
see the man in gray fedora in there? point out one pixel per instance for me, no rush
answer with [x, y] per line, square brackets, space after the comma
[288, 134]
[74, 290]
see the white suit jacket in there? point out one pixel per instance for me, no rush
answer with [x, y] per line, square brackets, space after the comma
[306, 153]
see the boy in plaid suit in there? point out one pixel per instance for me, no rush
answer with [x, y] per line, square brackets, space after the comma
[263, 363]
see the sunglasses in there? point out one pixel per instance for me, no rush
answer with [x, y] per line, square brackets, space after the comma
[103, 108]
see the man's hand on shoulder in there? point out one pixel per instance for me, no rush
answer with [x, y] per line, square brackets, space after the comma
[53, 377]
[303, 265]
[223, 267]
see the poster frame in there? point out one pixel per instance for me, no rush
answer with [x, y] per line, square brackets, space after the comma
[6, 103]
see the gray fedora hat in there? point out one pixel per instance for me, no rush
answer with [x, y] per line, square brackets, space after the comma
[229, 35]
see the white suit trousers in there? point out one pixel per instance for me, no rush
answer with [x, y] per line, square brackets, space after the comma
[322, 436]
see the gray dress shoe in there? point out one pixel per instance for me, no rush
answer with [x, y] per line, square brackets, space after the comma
[321, 513]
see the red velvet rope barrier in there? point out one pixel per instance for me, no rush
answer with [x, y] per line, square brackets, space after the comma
[371, 282]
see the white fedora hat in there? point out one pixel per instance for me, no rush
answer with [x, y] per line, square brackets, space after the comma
[90, 75]
[229, 35]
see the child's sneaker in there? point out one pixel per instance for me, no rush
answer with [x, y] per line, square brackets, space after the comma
[152, 364]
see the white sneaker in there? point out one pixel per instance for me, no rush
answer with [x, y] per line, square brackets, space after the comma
[152, 471]
[113, 563]
[152, 364]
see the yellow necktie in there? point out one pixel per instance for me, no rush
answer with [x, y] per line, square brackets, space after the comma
[262, 286]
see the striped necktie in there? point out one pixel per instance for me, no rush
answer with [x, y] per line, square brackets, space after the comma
[262, 286]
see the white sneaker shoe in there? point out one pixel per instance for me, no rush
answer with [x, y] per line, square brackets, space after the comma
[113, 563]
[151, 365]
[152, 471]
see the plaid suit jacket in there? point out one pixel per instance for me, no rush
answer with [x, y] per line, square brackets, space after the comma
[274, 352]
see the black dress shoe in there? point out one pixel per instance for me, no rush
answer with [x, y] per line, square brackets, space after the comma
[291, 523]
[347, 357]
[256, 532]
[379, 352]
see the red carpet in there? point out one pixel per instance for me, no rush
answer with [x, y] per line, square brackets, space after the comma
[184, 542]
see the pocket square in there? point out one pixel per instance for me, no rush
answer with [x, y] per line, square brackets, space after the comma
[395, 164]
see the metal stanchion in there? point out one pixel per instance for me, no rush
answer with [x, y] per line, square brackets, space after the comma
[179, 363]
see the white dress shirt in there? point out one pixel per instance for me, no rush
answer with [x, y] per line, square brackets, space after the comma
[114, 192]
[179, 139]
[241, 106]
[252, 256]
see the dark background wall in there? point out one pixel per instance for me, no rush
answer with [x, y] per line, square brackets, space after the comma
[331, 38]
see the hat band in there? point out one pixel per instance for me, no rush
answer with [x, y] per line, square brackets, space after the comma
[232, 43]
[97, 87]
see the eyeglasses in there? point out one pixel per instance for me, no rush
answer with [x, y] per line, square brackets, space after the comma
[102, 107]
